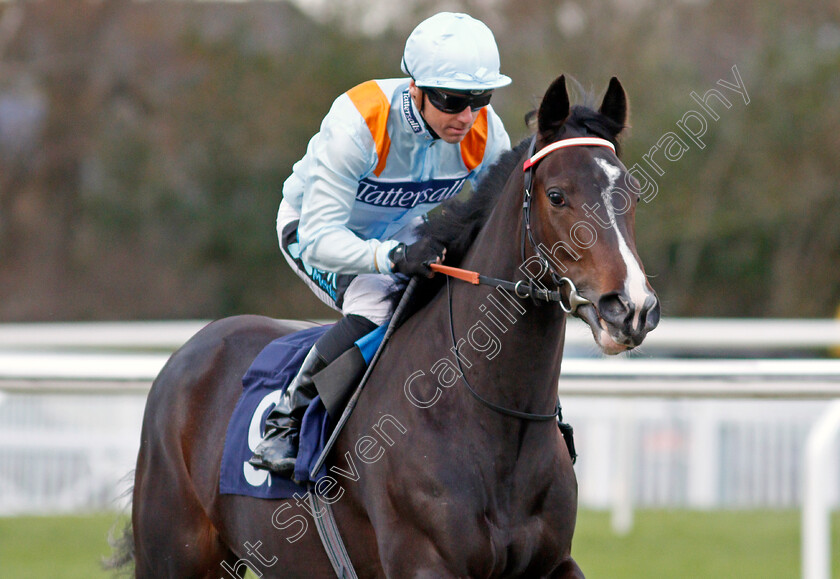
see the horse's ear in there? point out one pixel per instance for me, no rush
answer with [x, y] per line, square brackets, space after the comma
[614, 105]
[554, 109]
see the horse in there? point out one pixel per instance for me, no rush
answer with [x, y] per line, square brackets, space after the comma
[452, 463]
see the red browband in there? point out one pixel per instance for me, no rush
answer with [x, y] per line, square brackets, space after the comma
[574, 142]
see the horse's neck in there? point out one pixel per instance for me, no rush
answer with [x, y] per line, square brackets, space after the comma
[530, 336]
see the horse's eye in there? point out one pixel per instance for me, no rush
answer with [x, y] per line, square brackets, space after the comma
[557, 197]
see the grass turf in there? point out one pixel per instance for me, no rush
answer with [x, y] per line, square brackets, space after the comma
[662, 544]
[69, 547]
[690, 544]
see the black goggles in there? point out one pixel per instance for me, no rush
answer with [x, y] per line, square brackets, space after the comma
[452, 102]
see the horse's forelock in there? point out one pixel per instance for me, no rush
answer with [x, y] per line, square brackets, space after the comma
[588, 122]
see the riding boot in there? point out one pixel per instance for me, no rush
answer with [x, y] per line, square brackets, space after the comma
[278, 450]
[279, 446]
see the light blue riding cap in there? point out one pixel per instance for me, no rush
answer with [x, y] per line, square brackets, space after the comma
[453, 51]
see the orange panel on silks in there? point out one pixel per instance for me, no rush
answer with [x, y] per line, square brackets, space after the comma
[472, 147]
[374, 107]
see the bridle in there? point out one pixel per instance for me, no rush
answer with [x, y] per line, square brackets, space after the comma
[520, 288]
[529, 289]
[575, 300]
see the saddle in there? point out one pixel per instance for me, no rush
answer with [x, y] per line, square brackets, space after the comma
[263, 384]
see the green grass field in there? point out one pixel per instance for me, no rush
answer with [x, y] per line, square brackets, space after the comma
[662, 544]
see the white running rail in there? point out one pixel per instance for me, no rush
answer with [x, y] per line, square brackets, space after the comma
[124, 358]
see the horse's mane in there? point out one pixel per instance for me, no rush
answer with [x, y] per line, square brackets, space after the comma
[458, 221]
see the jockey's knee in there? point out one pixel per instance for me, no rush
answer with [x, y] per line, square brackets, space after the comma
[366, 296]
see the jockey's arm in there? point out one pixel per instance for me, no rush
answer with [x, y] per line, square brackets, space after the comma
[340, 160]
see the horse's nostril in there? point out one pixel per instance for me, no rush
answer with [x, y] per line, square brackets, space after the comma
[613, 307]
[632, 321]
[652, 316]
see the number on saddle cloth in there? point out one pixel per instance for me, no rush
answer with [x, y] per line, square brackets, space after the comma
[263, 383]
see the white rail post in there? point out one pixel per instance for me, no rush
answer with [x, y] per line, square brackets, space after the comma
[816, 530]
[623, 483]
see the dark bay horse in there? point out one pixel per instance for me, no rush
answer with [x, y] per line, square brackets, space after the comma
[425, 480]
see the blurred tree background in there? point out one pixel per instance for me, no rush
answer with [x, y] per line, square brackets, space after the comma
[143, 145]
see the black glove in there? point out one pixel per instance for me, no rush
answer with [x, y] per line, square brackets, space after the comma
[414, 259]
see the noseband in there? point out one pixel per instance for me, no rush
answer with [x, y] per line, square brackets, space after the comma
[575, 299]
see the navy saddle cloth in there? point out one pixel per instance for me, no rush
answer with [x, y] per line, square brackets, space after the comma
[263, 384]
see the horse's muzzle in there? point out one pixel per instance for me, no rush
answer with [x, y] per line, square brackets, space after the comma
[628, 323]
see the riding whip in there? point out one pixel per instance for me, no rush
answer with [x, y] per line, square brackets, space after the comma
[392, 326]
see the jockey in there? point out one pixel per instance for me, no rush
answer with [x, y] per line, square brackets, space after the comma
[387, 153]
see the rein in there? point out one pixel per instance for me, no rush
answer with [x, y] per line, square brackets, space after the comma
[520, 288]
[492, 406]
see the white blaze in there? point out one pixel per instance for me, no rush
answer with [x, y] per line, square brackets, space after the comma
[635, 285]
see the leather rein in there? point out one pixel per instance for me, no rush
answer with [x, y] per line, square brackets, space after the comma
[520, 288]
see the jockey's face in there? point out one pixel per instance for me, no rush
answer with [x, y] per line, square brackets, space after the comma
[452, 128]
